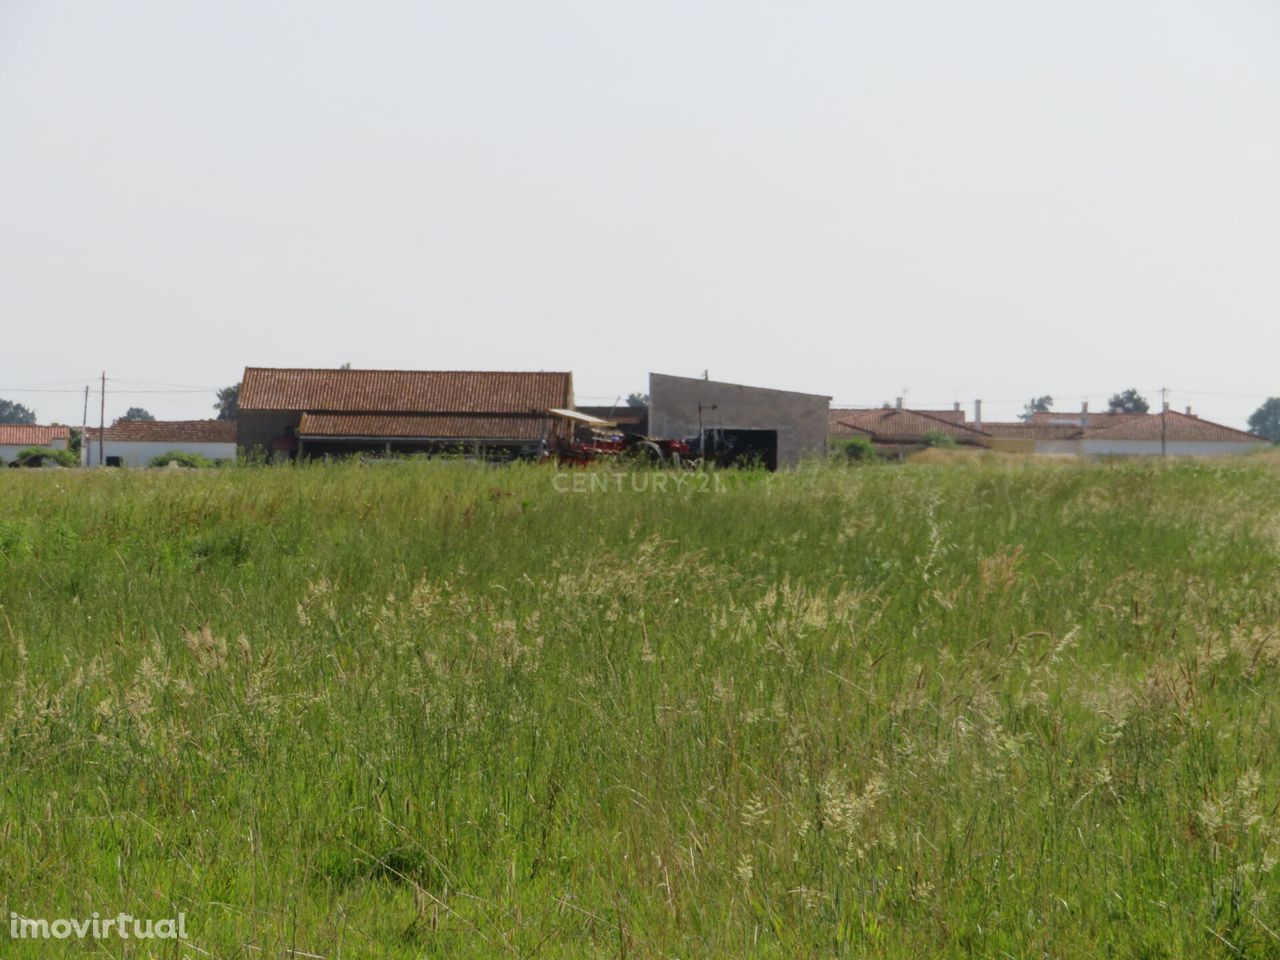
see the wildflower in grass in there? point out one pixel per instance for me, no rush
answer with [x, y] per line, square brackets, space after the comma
[845, 810]
[811, 899]
[921, 889]
[210, 651]
[722, 690]
[319, 597]
[755, 812]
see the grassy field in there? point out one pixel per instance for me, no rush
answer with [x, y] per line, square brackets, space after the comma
[993, 709]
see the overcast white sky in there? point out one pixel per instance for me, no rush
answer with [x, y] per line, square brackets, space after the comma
[964, 199]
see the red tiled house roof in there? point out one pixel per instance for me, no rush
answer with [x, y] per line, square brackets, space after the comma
[953, 416]
[1122, 426]
[169, 431]
[897, 425]
[1021, 430]
[1076, 417]
[31, 435]
[1171, 426]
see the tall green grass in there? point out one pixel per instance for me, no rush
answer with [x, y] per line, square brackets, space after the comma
[993, 709]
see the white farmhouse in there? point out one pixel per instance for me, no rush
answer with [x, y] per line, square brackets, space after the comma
[1167, 434]
[134, 443]
[16, 437]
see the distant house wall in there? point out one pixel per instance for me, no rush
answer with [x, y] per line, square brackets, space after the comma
[9, 451]
[1009, 444]
[1175, 448]
[1059, 447]
[799, 418]
[138, 453]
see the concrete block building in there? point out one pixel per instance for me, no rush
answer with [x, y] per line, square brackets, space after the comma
[732, 421]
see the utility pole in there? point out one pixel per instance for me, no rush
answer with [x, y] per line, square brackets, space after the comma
[102, 419]
[84, 430]
[1164, 420]
[702, 433]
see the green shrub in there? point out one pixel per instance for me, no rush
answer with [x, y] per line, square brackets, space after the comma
[936, 438]
[42, 456]
[182, 458]
[858, 449]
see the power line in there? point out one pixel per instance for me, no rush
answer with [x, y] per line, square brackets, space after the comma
[129, 391]
[156, 383]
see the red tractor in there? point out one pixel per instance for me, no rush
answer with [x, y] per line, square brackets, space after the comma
[593, 440]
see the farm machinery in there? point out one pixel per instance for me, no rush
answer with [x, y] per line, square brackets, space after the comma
[587, 440]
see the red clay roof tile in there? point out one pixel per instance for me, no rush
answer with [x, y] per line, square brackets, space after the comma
[31, 435]
[403, 391]
[423, 427]
[169, 431]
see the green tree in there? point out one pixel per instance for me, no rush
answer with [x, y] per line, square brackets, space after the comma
[228, 400]
[1265, 421]
[1036, 405]
[12, 412]
[1130, 401]
[637, 400]
[137, 413]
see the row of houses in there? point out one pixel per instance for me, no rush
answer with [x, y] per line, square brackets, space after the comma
[896, 430]
[297, 413]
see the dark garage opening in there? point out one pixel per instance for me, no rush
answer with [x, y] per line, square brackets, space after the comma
[742, 448]
[319, 449]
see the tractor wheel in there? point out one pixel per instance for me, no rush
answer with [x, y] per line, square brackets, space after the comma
[646, 451]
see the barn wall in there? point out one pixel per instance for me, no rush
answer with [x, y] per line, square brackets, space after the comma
[255, 430]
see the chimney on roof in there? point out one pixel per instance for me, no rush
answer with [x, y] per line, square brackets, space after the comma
[1166, 406]
[898, 404]
[1084, 413]
[977, 414]
[1189, 413]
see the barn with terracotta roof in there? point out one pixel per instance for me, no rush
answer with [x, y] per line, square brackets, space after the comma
[296, 412]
